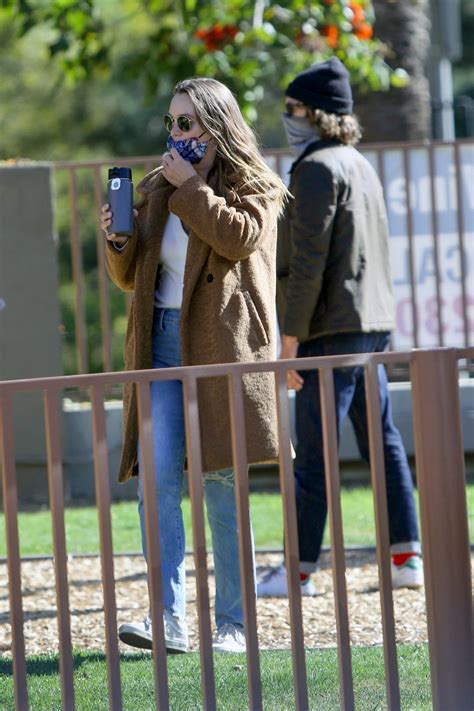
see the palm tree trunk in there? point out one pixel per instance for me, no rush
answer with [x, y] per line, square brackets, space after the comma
[400, 114]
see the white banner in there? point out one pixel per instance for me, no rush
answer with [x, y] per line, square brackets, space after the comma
[424, 248]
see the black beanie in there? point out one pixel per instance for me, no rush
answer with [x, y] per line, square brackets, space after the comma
[324, 86]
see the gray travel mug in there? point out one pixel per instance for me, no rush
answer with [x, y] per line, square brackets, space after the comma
[120, 199]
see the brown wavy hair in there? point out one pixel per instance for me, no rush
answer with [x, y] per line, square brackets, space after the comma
[345, 129]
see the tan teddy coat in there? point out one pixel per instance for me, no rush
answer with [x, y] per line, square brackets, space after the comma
[227, 313]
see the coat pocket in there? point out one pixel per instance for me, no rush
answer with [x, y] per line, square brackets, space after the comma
[255, 319]
[243, 323]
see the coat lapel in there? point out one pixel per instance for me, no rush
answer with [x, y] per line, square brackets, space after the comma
[152, 226]
[156, 213]
[196, 259]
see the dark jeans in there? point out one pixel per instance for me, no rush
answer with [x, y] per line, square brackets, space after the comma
[349, 387]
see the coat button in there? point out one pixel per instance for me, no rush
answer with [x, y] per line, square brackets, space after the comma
[210, 278]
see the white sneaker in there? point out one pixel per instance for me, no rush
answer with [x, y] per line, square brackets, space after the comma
[408, 575]
[176, 633]
[138, 634]
[275, 584]
[229, 638]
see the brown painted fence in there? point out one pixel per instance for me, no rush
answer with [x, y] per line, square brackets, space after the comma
[444, 525]
[429, 189]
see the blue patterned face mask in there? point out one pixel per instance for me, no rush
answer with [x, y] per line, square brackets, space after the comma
[191, 149]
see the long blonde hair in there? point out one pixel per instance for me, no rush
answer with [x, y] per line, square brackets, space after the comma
[238, 158]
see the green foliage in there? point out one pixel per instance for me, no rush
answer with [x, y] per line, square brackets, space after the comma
[76, 31]
[248, 45]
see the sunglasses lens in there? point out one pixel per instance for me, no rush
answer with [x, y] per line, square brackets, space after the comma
[184, 123]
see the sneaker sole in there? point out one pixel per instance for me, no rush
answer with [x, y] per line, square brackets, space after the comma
[411, 579]
[134, 640]
[408, 586]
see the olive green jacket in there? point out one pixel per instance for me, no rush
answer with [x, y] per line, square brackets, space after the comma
[333, 272]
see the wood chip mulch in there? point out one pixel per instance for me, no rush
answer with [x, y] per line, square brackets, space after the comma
[87, 619]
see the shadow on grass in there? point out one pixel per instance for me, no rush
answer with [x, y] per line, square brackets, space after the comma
[49, 665]
[50, 614]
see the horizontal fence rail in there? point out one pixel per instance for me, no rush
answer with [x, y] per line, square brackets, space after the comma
[445, 537]
[429, 191]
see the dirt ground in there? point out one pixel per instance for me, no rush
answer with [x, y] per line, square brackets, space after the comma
[86, 605]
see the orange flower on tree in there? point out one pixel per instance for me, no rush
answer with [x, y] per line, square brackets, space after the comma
[358, 15]
[331, 34]
[364, 32]
[362, 29]
[216, 36]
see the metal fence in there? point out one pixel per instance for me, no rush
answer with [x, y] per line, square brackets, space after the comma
[444, 524]
[429, 190]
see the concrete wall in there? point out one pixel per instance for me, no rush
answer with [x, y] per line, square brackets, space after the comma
[78, 453]
[30, 344]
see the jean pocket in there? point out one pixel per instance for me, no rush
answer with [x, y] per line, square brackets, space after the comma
[170, 319]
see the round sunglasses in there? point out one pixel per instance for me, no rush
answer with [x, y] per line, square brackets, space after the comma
[185, 123]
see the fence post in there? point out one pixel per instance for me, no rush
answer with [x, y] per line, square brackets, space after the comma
[444, 527]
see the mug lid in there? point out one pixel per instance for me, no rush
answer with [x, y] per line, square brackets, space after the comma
[120, 173]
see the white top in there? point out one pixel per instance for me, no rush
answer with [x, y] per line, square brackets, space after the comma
[174, 246]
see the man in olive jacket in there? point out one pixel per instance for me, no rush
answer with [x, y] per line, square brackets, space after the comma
[334, 296]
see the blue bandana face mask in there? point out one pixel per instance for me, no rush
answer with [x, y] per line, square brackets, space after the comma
[191, 149]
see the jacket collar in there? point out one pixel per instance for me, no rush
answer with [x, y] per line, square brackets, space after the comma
[151, 182]
[317, 145]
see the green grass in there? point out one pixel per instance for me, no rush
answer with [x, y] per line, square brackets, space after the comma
[90, 681]
[82, 531]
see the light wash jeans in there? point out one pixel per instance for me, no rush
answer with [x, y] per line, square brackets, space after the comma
[169, 452]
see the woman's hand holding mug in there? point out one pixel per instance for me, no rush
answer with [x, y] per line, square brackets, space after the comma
[106, 220]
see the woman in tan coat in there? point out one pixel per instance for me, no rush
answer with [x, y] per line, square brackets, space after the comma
[201, 264]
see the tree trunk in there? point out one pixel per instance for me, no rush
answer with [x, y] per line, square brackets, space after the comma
[400, 114]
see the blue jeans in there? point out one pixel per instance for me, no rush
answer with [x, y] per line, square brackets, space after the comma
[169, 452]
[349, 389]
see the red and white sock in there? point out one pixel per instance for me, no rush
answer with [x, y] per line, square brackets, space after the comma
[401, 558]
